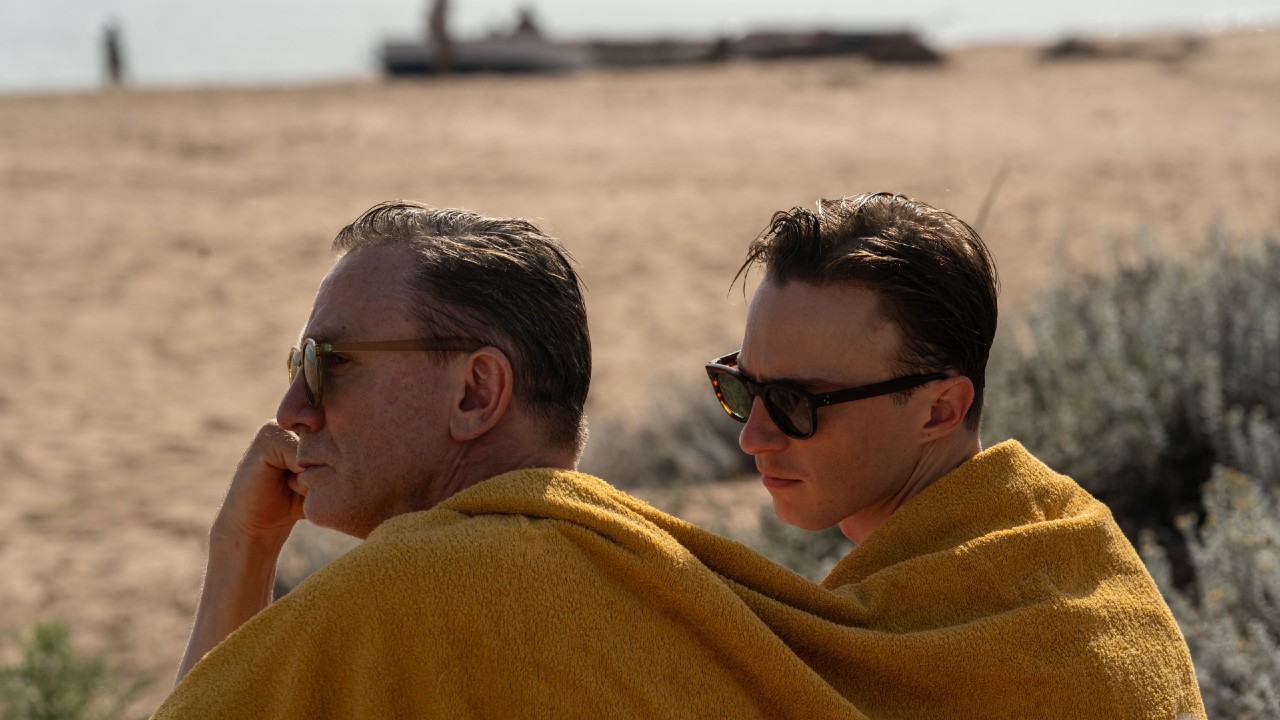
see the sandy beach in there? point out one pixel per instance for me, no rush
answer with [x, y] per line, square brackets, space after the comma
[161, 248]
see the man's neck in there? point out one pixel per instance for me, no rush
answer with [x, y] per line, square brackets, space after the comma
[502, 452]
[936, 460]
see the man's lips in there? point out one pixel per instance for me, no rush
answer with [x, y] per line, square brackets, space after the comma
[773, 482]
[308, 471]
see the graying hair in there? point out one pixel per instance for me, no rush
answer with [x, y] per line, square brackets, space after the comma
[500, 280]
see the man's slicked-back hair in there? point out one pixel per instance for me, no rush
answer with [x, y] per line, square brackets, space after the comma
[500, 280]
[931, 272]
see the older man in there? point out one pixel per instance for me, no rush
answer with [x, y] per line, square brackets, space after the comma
[983, 583]
[444, 348]
[436, 410]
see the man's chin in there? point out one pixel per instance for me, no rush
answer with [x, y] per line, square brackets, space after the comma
[789, 516]
[316, 513]
[314, 510]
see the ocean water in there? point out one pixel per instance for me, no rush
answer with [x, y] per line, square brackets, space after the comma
[56, 45]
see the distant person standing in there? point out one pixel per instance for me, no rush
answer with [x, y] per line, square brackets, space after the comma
[438, 32]
[526, 23]
[113, 55]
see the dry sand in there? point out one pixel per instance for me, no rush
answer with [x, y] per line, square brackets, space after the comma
[160, 249]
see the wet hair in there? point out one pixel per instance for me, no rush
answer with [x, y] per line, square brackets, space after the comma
[931, 272]
[504, 282]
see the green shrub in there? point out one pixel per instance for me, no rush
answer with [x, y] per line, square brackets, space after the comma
[309, 548]
[1138, 382]
[808, 554]
[50, 680]
[681, 436]
[1231, 615]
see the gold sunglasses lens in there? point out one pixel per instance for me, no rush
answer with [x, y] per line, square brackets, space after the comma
[295, 359]
[312, 372]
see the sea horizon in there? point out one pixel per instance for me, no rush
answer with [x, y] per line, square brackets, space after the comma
[56, 46]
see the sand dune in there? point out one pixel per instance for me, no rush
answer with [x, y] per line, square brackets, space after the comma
[160, 249]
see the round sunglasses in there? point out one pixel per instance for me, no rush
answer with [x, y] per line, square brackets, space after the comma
[310, 357]
[793, 410]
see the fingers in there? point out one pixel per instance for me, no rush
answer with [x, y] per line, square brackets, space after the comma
[265, 498]
[276, 447]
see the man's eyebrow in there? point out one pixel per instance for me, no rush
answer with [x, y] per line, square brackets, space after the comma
[809, 383]
[324, 336]
[798, 382]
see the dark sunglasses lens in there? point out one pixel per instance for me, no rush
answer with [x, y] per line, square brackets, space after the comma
[791, 411]
[734, 395]
[313, 373]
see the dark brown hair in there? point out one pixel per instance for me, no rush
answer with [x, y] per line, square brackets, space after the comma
[932, 274]
[500, 280]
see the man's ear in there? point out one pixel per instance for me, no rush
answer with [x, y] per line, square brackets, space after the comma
[488, 385]
[952, 399]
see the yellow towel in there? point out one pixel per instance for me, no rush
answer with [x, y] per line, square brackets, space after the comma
[1002, 591]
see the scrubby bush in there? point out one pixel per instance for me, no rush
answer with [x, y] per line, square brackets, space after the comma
[50, 680]
[1231, 615]
[309, 548]
[1138, 382]
[808, 554]
[681, 436]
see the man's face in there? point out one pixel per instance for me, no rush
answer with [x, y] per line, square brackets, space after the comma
[379, 445]
[864, 453]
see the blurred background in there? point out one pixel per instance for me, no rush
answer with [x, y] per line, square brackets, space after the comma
[171, 175]
[54, 45]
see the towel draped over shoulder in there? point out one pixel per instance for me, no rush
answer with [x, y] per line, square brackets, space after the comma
[1003, 590]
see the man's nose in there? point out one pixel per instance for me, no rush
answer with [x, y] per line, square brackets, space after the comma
[760, 434]
[294, 412]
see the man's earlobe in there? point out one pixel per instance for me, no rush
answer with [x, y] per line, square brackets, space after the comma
[488, 386]
[952, 399]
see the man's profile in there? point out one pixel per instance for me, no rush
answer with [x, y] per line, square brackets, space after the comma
[998, 587]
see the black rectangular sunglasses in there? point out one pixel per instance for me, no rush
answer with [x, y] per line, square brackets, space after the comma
[793, 410]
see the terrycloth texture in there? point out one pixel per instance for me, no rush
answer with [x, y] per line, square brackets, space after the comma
[1002, 591]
